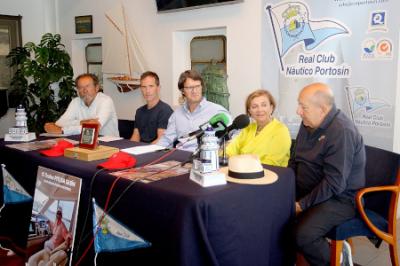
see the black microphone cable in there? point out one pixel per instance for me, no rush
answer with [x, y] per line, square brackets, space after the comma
[105, 212]
[88, 207]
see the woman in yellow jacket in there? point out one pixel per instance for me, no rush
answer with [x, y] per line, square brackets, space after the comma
[266, 136]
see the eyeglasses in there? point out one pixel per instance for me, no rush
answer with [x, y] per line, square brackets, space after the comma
[192, 88]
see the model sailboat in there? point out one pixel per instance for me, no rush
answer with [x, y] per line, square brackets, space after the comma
[122, 55]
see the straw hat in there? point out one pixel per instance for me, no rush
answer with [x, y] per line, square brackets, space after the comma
[247, 169]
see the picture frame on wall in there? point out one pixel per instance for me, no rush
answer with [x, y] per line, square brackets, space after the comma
[84, 24]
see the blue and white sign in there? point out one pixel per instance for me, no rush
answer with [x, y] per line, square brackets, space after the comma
[309, 41]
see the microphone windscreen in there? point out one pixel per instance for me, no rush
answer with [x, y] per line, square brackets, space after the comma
[241, 121]
[221, 117]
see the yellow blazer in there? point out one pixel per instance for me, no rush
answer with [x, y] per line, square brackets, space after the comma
[272, 144]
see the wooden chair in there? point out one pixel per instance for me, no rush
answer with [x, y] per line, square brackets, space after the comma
[376, 204]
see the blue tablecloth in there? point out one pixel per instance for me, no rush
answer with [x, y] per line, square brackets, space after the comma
[228, 225]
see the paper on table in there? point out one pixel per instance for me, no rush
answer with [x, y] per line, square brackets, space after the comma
[143, 149]
[54, 135]
[108, 138]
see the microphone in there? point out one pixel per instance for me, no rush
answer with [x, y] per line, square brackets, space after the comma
[239, 122]
[219, 118]
[218, 122]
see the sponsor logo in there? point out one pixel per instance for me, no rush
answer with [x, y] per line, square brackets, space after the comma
[384, 48]
[377, 21]
[376, 50]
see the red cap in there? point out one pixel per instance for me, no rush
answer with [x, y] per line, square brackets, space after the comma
[58, 148]
[118, 160]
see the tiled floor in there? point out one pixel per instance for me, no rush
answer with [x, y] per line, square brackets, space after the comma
[366, 254]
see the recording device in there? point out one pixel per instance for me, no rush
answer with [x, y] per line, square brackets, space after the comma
[239, 122]
[218, 122]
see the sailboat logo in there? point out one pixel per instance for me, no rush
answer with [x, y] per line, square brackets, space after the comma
[13, 192]
[112, 236]
[291, 25]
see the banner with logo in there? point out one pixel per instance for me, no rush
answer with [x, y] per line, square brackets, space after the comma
[351, 45]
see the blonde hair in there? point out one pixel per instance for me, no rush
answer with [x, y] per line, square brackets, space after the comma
[259, 93]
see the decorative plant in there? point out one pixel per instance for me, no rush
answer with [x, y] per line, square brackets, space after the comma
[42, 70]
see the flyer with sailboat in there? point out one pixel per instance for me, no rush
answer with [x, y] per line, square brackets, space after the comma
[54, 217]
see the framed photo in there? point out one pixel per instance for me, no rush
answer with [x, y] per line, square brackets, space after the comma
[83, 24]
[89, 135]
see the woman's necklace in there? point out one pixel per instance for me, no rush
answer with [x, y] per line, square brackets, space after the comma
[259, 128]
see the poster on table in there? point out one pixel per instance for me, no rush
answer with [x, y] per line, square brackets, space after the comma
[53, 220]
[351, 45]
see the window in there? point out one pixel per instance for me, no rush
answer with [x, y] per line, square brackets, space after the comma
[94, 60]
[207, 49]
[208, 57]
[10, 37]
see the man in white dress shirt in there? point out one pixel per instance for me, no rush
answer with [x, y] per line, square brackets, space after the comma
[91, 106]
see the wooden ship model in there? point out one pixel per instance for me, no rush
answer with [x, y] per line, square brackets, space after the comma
[123, 57]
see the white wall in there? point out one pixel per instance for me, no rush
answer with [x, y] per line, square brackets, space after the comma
[38, 17]
[158, 34]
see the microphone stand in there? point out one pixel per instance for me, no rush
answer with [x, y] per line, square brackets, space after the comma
[223, 161]
[192, 157]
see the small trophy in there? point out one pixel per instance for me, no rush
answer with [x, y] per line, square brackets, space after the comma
[20, 131]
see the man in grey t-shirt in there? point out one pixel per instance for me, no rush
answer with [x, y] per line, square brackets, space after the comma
[152, 118]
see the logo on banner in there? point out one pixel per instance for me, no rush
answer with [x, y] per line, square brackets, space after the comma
[13, 192]
[111, 235]
[291, 25]
[369, 46]
[364, 109]
[377, 50]
[377, 21]
[384, 49]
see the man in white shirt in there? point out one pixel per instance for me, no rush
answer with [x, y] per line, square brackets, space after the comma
[91, 106]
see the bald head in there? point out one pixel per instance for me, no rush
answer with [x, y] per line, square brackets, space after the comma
[315, 102]
[319, 94]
